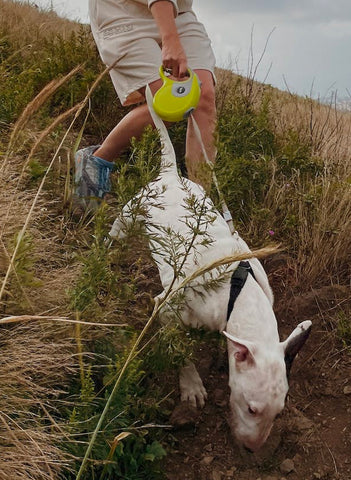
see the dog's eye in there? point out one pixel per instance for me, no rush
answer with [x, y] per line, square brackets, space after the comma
[251, 410]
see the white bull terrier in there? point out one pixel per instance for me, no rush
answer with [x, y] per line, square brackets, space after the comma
[240, 306]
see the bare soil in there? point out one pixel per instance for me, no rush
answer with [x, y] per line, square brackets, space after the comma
[312, 439]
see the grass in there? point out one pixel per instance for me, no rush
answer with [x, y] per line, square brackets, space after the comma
[344, 329]
[284, 169]
[30, 388]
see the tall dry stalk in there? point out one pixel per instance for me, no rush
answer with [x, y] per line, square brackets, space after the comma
[61, 118]
[55, 319]
[81, 106]
[33, 107]
[29, 440]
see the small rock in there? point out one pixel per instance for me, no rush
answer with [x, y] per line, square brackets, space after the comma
[207, 460]
[287, 466]
[219, 397]
[216, 475]
[184, 415]
[231, 472]
[317, 475]
[297, 459]
[303, 423]
[347, 390]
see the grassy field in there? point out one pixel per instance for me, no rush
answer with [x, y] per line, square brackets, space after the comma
[77, 313]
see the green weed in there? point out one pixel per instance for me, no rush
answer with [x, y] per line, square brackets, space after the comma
[344, 329]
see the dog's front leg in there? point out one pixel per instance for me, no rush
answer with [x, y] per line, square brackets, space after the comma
[191, 387]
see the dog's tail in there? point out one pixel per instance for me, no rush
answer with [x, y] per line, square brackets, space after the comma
[168, 160]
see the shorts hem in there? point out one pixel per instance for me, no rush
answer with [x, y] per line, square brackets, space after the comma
[136, 88]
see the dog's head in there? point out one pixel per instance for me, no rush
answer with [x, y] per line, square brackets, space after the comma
[258, 379]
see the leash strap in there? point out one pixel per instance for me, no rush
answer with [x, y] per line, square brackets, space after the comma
[237, 282]
[160, 125]
[226, 213]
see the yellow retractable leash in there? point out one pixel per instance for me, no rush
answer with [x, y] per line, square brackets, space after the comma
[175, 100]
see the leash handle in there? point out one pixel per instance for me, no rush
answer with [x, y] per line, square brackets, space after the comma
[225, 210]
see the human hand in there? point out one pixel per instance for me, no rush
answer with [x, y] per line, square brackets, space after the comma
[173, 57]
[173, 54]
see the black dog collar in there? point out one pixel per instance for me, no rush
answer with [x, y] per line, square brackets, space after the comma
[237, 282]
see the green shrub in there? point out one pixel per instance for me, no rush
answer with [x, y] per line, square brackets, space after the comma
[131, 410]
[296, 156]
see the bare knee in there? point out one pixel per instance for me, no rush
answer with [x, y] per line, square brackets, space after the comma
[207, 103]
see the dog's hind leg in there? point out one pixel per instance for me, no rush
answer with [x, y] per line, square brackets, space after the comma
[191, 387]
[118, 228]
[124, 220]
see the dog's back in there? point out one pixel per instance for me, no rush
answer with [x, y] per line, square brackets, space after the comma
[179, 217]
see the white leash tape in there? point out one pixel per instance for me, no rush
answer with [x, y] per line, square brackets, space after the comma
[161, 126]
[225, 210]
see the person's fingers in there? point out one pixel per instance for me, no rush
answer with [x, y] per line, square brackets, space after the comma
[167, 64]
[183, 69]
[175, 69]
[178, 70]
[174, 59]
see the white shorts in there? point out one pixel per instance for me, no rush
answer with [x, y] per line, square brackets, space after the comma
[126, 33]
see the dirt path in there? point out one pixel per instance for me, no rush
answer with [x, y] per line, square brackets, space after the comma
[312, 439]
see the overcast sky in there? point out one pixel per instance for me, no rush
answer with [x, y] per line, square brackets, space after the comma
[309, 41]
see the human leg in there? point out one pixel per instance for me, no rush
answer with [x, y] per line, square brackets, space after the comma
[93, 165]
[201, 59]
[128, 39]
[132, 125]
[205, 117]
[137, 43]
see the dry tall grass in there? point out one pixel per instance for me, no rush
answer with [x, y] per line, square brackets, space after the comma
[322, 206]
[33, 107]
[32, 387]
[323, 240]
[28, 24]
[30, 438]
[322, 126]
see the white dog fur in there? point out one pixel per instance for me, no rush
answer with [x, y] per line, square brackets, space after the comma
[258, 361]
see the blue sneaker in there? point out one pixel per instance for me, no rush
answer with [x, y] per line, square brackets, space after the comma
[92, 175]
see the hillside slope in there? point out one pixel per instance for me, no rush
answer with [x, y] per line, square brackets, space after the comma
[78, 306]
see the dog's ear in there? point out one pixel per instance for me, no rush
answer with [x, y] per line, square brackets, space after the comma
[243, 351]
[293, 344]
